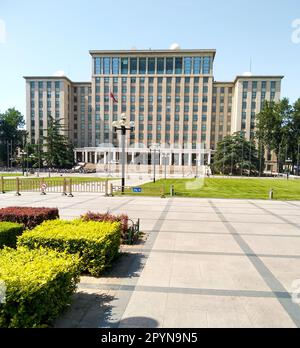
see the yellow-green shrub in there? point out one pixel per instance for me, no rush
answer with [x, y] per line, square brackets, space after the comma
[39, 284]
[8, 234]
[97, 243]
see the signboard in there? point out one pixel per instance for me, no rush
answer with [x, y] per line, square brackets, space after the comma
[137, 190]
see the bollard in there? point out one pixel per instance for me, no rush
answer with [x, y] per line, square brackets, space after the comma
[64, 188]
[271, 194]
[163, 192]
[111, 190]
[172, 191]
[18, 187]
[70, 189]
[2, 184]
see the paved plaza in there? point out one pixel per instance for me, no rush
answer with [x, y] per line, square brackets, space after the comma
[201, 263]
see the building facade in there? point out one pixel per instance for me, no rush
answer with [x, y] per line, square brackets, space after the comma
[171, 95]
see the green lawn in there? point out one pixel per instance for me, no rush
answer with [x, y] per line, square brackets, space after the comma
[7, 175]
[226, 188]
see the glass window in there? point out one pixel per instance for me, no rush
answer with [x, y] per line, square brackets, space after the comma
[124, 66]
[133, 66]
[151, 66]
[206, 65]
[32, 84]
[254, 84]
[106, 65]
[41, 85]
[197, 65]
[178, 66]
[97, 66]
[188, 65]
[170, 65]
[273, 85]
[245, 84]
[116, 65]
[264, 85]
[142, 66]
[160, 65]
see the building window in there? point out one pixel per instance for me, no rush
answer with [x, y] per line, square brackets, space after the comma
[206, 65]
[245, 84]
[160, 66]
[197, 65]
[41, 85]
[142, 66]
[116, 65]
[273, 85]
[188, 65]
[97, 69]
[133, 66]
[170, 65]
[151, 66]
[106, 65]
[124, 66]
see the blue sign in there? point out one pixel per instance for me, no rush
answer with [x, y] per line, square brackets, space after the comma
[137, 190]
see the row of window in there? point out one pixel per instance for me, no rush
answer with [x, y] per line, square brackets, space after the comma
[246, 85]
[152, 66]
[151, 80]
[41, 84]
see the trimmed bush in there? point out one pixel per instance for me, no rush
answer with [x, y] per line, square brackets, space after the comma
[107, 217]
[8, 234]
[29, 217]
[97, 243]
[39, 285]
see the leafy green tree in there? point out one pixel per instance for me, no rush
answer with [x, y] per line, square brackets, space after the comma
[11, 133]
[278, 128]
[58, 149]
[236, 156]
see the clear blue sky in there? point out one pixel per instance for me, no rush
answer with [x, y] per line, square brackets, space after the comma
[43, 37]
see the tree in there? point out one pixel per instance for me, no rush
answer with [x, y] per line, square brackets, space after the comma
[11, 133]
[278, 128]
[59, 152]
[236, 156]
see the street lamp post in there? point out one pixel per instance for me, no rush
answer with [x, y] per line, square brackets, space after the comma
[154, 148]
[123, 126]
[23, 154]
[165, 157]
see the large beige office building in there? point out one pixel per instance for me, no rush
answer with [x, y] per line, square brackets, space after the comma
[171, 95]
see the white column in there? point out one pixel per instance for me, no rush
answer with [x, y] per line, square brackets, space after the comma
[96, 157]
[180, 159]
[86, 156]
[105, 157]
[190, 159]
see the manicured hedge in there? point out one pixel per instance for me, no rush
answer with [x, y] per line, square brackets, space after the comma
[8, 234]
[29, 217]
[97, 243]
[107, 217]
[39, 285]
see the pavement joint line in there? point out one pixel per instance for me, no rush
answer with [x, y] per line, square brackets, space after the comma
[124, 299]
[284, 220]
[291, 308]
[293, 204]
[228, 234]
[210, 253]
[121, 205]
[188, 291]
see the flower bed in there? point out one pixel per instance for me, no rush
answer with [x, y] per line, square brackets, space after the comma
[107, 217]
[39, 285]
[29, 217]
[97, 243]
